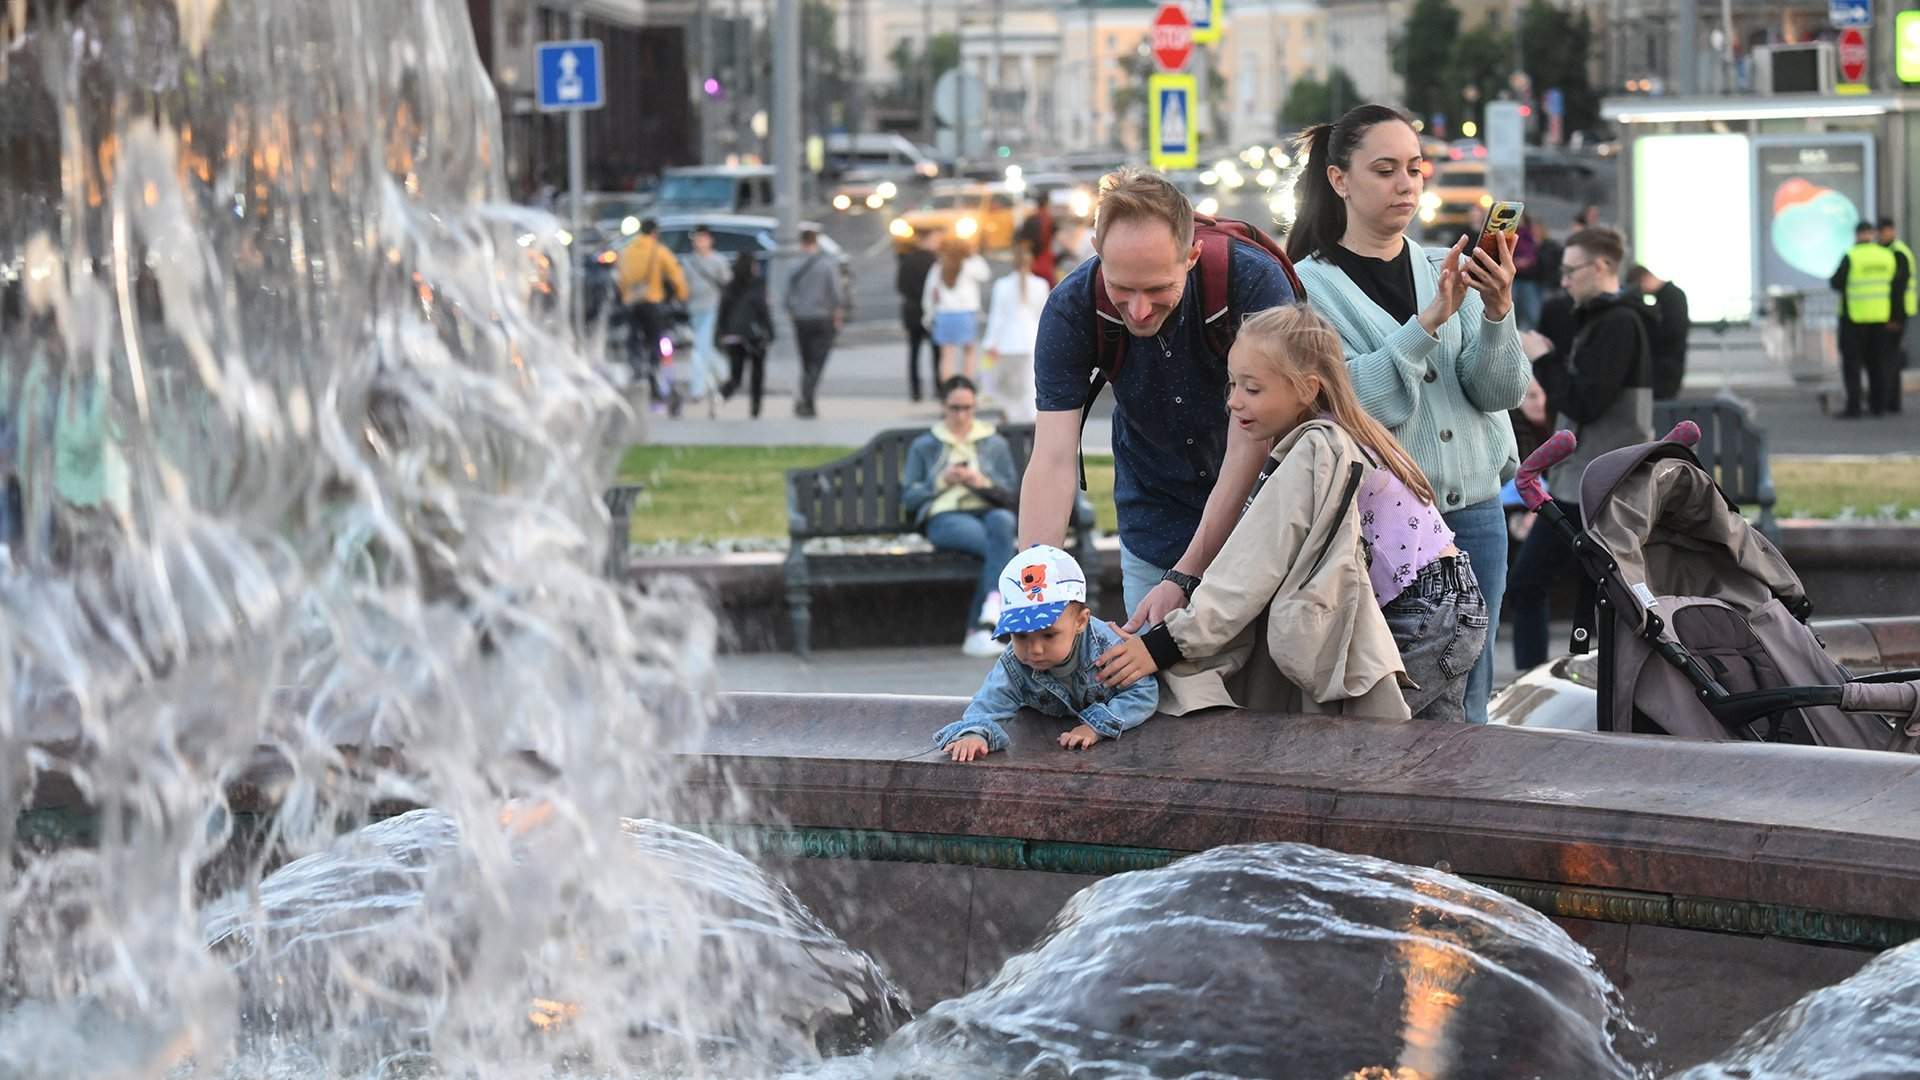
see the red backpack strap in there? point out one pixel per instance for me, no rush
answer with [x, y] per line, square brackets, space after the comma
[1109, 349]
[1216, 237]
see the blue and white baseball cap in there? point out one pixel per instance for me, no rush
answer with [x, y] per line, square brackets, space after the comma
[1036, 586]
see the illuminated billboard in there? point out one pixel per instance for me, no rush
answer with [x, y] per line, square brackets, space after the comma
[1693, 219]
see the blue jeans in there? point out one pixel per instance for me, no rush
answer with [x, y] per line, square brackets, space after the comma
[986, 533]
[706, 359]
[1480, 530]
[1440, 624]
[1528, 295]
[1137, 578]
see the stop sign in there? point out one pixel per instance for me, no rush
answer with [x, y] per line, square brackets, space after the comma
[1172, 37]
[1853, 54]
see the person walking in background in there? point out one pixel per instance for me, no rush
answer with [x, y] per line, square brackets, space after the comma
[649, 278]
[1670, 325]
[910, 281]
[1873, 281]
[1600, 388]
[1587, 218]
[1013, 326]
[817, 306]
[1429, 335]
[959, 484]
[951, 300]
[746, 330]
[1036, 235]
[1906, 307]
[707, 274]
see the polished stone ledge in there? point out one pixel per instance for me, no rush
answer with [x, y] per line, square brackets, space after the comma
[1832, 831]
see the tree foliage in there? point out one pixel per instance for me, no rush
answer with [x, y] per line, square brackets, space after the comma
[1311, 101]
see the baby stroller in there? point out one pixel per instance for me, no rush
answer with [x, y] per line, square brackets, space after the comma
[1701, 624]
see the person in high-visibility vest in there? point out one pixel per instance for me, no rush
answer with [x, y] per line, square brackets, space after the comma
[1892, 240]
[1874, 282]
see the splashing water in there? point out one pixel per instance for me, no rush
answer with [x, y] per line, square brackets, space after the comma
[1228, 962]
[310, 459]
[1866, 1027]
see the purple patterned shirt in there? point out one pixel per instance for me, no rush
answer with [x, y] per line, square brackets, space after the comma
[1402, 533]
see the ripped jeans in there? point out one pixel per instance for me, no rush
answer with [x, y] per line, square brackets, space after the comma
[1440, 624]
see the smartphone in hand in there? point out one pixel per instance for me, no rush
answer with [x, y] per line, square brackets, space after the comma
[1502, 217]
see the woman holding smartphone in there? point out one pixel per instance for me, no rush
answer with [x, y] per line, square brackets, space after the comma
[1429, 335]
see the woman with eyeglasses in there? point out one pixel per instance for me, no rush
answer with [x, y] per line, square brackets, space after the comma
[961, 488]
[1430, 338]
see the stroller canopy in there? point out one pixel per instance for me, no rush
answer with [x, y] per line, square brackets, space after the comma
[1674, 533]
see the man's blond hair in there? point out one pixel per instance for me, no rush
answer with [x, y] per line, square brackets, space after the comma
[1131, 193]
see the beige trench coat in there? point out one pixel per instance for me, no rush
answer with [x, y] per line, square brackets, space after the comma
[1285, 619]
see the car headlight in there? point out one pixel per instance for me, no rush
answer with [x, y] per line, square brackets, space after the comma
[565, 237]
[875, 201]
[1209, 177]
[1208, 205]
[842, 202]
[899, 227]
[1486, 201]
[1428, 213]
[1429, 200]
[927, 169]
[886, 190]
[966, 228]
[629, 226]
[609, 257]
[1267, 178]
[1080, 203]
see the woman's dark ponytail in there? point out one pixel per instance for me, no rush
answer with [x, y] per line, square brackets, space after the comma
[1322, 217]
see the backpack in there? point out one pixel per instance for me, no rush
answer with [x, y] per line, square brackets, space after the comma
[1215, 237]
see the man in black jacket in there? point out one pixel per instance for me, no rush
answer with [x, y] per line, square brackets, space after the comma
[910, 280]
[1667, 330]
[1600, 388]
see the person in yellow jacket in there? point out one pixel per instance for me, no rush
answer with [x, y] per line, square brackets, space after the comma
[1891, 239]
[1873, 281]
[648, 276]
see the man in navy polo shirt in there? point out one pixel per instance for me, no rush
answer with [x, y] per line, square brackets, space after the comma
[1180, 474]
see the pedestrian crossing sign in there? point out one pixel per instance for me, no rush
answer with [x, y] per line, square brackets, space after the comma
[1172, 142]
[1206, 17]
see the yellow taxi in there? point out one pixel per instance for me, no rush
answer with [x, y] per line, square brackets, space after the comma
[984, 215]
[1456, 198]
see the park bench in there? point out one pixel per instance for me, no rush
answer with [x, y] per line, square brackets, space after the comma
[859, 495]
[1732, 448]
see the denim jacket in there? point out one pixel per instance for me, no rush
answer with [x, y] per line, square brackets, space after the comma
[1079, 695]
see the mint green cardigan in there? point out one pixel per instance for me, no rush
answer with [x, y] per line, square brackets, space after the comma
[1444, 398]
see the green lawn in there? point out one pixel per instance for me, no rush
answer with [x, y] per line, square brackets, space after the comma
[1826, 488]
[699, 493]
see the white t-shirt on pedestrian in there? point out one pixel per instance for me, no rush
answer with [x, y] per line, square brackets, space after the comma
[963, 295]
[1013, 322]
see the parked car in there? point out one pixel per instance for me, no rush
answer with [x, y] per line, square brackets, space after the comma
[982, 214]
[720, 189]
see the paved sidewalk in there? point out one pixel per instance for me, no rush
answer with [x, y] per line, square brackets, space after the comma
[865, 391]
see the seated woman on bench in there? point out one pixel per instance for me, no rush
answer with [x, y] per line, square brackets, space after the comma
[959, 484]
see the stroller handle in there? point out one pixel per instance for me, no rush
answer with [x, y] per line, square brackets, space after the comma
[1686, 433]
[1546, 456]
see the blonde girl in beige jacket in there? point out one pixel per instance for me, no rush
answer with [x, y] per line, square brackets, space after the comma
[1296, 556]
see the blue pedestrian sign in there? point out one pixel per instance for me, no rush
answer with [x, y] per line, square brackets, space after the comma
[571, 76]
[1172, 142]
[1844, 13]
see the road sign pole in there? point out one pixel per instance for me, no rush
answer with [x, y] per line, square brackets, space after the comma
[576, 185]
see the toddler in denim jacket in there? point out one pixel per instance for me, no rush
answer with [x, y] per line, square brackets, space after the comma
[1048, 666]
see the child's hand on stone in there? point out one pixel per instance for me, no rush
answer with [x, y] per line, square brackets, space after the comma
[1080, 738]
[968, 747]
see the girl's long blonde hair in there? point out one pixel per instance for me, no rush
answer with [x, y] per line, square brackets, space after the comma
[1293, 342]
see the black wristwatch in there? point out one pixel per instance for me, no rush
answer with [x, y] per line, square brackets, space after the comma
[1187, 582]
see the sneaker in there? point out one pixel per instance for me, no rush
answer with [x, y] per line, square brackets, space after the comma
[980, 643]
[990, 611]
